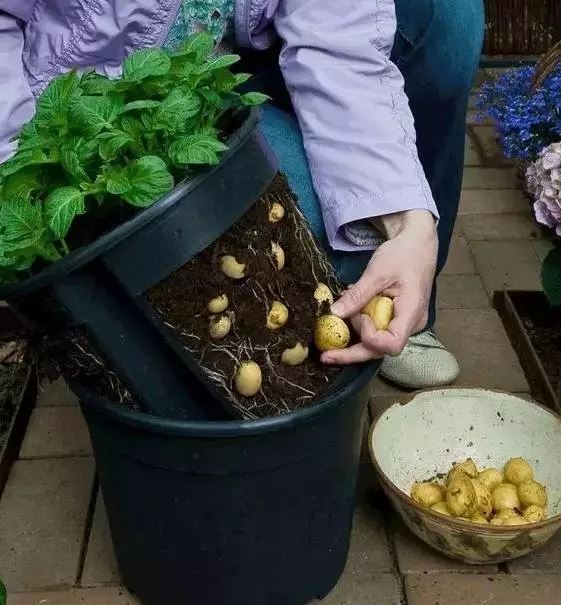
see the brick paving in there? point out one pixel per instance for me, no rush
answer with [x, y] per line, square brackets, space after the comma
[55, 547]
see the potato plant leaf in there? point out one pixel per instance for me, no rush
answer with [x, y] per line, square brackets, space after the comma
[146, 63]
[61, 206]
[149, 180]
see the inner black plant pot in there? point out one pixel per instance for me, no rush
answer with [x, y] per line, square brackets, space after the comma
[101, 287]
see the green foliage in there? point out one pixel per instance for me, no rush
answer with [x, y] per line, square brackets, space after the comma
[3, 594]
[96, 144]
[551, 277]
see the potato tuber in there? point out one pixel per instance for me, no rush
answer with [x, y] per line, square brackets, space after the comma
[295, 356]
[276, 212]
[442, 508]
[467, 467]
[248, 379]
[323, 295]
[484, 499]
[426, 494]
[278, 255]
[331, 333]
[517, 470]
[380, 311]
[461, 497]
[232, 268]
[505, 495]
[219, 326]
[531, 492]
[277, 316]
[490, 478]
[534, 513]
[218, 304]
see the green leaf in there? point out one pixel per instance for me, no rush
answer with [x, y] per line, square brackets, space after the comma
[3, 594]
[551, 277]
[110, 145]
[254, 98]
[242, 78]
[22, 222]
[211, 97]
[60, 208]
[145, 63]
[177, 108]
[93, 83]
[118, 182]
[92, 114]
[149, 180]
[201, 44]
[22, 183]
[27, 157]
[218, 63]
[72, 165]
[147, 104]
[196, 149]
[53, 104]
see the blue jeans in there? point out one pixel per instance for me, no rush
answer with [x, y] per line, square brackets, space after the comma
[437, 49]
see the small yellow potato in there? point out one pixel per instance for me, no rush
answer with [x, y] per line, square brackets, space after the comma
[219, 326]
[323, 294]
[248, 379]
[496, 521]
[218, 304]
[276, 212]
[532, 492]
[480, 519]
[380, 311]
[294, 356]
[484, 499]
[505, 495]
[461, 496]
[534, 514]
[277, 316]
[331, 333]
[467, 467]
[490, 478]
[426, 494]
[231, 268]
[517, 470]
[278, 255]
[514, 520]
[505, 513]
[442, 508]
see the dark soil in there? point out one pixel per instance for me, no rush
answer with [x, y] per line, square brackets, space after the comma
[543, 325]
[182, 301]
[13, 372]
[72, 357]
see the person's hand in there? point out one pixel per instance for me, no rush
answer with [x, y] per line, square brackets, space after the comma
[402, 268]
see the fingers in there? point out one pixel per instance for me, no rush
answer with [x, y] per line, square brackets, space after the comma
[356, 354]
[354, 298]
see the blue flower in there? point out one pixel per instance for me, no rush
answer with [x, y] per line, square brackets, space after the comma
[526, 120]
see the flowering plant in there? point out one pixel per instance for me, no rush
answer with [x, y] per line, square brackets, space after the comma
[527, 120]
[543, 181]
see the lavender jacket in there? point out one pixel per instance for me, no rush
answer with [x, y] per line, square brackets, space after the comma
[349, 98]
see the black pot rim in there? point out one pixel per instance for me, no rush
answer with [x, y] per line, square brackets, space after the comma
[229, 428]
[104, 243]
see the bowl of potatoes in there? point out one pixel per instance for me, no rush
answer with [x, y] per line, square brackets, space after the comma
[473, 473]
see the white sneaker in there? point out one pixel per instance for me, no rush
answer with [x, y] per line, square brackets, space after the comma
[424, 363]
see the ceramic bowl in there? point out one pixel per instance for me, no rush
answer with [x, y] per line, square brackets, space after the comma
[420, 439]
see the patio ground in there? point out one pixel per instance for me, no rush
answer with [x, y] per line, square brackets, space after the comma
[54, 540]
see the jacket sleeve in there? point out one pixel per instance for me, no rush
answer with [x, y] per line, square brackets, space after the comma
[353, 112]
[16, 100]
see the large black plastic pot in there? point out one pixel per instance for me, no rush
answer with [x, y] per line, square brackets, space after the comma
[102, 287]
[231, 513]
